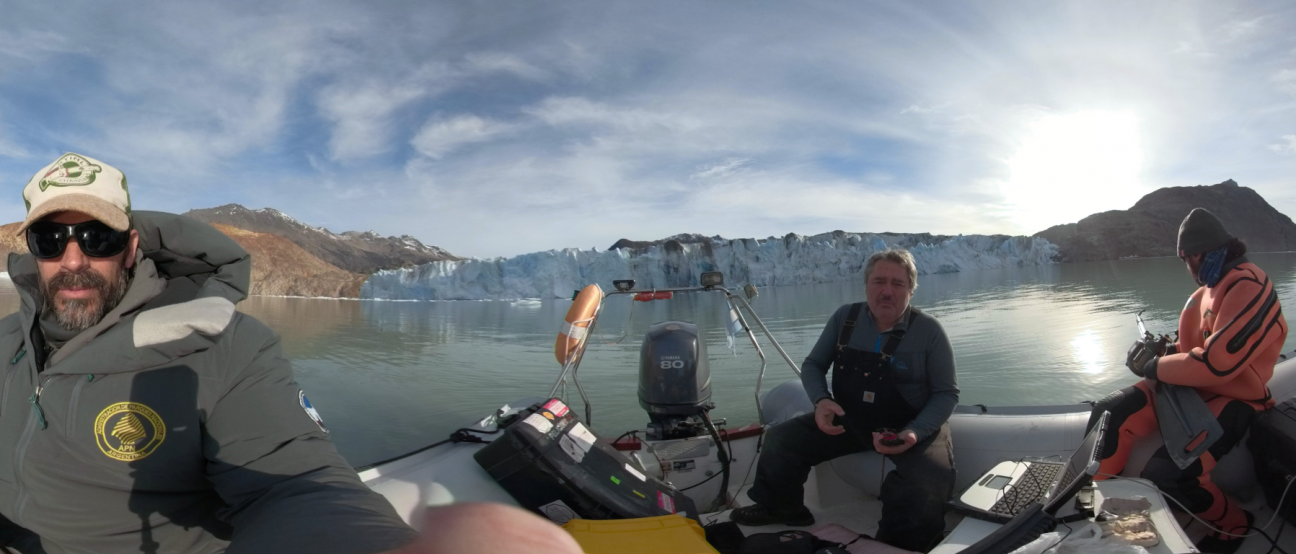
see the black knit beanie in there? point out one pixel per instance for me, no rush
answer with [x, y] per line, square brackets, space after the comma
[1201, 232]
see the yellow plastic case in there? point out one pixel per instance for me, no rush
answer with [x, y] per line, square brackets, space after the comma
[671, 534]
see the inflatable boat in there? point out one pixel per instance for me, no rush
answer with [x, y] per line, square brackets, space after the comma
[709, 465]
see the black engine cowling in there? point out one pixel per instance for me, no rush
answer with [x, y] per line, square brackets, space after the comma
[674, 379]
[674, 376]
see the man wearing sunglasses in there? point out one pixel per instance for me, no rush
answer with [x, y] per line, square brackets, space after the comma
[139, 412]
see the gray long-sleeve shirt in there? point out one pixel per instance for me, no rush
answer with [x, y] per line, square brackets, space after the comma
[923, 365]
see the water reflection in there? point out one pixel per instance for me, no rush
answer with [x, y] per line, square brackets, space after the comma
[392, 376]
[1088, 351]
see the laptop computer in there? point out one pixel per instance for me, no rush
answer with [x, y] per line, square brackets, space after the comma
[1009, 487]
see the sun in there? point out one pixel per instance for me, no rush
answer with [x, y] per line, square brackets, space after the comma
[1070, 166]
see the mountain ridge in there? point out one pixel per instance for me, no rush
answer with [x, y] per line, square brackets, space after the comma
[353, 251]
[1150, 227]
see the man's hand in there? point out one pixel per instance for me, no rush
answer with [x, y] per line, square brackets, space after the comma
[909, 437]
[825, 409]
[484, 528]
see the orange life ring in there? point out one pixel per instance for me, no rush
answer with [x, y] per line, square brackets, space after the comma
[578, 319]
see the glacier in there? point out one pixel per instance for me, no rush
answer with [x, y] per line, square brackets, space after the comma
[791, 260]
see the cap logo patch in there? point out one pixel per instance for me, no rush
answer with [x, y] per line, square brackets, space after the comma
[129, 431]
[311, 411]
[70, 171]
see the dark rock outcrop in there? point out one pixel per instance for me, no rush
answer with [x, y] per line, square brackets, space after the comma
[352, 251]
[683, 238]
[1151, 226]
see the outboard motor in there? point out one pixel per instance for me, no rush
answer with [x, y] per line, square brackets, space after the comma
[675, 389]
[674, 381]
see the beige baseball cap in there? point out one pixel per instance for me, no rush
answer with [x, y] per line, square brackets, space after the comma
[76, 183]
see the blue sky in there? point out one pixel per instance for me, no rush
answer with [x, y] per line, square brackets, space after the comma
[502, 127]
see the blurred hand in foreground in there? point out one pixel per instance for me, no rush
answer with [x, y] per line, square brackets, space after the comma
[484, 528]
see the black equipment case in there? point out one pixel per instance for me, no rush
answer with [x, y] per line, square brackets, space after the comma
[554, 465]
[1273, 445]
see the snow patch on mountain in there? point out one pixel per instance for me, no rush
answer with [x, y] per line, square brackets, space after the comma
[791, 260]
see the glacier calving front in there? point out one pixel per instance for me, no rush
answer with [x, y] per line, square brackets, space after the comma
[791, 260]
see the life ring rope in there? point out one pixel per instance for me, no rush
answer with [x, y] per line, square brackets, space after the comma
[574, 331]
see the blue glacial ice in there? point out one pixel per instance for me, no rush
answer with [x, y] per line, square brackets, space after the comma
[791, 260]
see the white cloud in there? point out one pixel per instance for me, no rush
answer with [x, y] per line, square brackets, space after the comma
[722, 169]
[1285, 79]
[1287, 149]
[1192, 48]
[34, 44]
[440, 136]
[1242, 30]
[915, 108]
[582, 111]
[8, 148]
[362, 117]
[492, 62]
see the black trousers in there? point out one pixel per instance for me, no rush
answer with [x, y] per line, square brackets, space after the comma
[913, 496]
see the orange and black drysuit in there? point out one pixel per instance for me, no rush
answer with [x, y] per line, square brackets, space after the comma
[1230, 336]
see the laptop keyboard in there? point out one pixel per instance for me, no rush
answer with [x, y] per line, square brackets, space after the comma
[1030, 488]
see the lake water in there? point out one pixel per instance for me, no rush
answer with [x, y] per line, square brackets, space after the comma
[389, 377]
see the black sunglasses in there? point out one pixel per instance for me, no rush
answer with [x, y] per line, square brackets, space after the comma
[47, 239]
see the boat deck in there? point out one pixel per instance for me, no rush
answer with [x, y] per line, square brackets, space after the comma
[863, 512]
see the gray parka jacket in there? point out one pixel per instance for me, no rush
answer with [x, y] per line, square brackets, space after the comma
[175, 424]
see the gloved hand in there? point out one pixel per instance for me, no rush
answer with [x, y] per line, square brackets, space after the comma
[1150, 368]
[1138, 356]
[1159, 347]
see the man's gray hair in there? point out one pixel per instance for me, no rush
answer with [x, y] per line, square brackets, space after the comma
[897, 256]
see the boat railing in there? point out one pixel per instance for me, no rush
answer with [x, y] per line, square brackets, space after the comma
[737, 302]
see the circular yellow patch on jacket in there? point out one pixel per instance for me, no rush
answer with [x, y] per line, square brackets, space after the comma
[128, 431]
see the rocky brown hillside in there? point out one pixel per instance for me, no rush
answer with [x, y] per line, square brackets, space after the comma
[10, 242]
[356, 252]
[1150, 227]
[281, 268]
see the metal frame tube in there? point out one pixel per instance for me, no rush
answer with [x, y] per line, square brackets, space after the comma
[773, 341]
[760, 377]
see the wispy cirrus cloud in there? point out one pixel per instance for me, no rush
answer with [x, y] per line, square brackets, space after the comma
[362, 117]
[441, 136]
[1286, 147]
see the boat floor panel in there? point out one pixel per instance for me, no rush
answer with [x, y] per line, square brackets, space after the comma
[863, 514]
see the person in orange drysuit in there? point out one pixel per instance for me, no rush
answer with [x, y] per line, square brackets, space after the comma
[1231, 332]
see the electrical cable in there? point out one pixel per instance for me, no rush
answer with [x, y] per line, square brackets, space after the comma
[1064, 537]
[723, 497]
[760, 441]
[631, 433]
[460, 435]
[700, 483]
[1259, 530]
[1277, 537]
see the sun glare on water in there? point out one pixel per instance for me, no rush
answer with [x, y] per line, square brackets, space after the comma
[1087, 350]
[1071, 166]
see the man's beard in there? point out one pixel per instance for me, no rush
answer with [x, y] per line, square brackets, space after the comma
[79, 314]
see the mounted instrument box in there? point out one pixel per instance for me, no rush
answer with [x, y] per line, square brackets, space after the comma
[1273, 445]
[553, 464]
